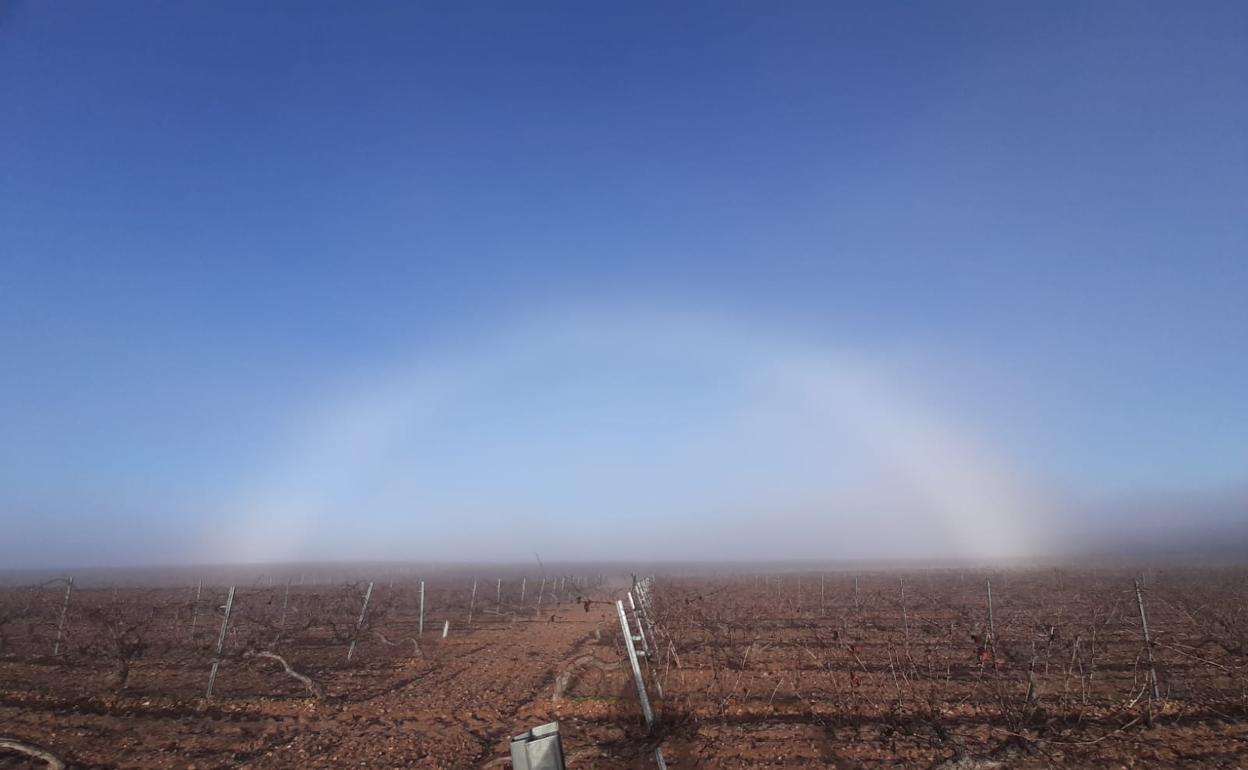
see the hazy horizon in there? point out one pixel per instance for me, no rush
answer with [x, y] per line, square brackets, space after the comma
[439, 282]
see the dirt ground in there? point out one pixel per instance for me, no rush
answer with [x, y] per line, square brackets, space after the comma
[911, 670]
[454, 704]
[782, 670]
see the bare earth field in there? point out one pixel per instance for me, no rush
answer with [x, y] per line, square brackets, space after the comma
[904, 670]
[780, 670]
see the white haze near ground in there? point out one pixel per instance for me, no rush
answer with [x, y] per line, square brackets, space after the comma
[628, 435]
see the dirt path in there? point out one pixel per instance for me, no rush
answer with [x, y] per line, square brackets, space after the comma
[454, 707]
[461, 713]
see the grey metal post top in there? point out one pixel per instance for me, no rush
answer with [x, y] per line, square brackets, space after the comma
[538, 749]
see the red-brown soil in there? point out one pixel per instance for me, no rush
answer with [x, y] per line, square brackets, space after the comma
[758, 671]
[804, 671]
[455, 704]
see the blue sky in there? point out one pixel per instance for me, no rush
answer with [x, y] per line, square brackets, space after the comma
[225, 225]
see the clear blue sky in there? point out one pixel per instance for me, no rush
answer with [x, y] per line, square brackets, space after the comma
[218, 219]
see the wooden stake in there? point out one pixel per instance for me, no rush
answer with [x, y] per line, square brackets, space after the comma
[359, 623]
[60, 626]
[905, 619]
[281, 624]
[992, 626]
[199, 587]
[1148, 642]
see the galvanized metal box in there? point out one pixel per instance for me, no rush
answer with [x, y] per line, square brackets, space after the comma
[538, 749]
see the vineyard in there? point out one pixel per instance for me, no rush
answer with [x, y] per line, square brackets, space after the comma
[956, 669]
[305, 675]
[941, 669]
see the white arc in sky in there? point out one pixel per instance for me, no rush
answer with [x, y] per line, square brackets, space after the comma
[568, 422]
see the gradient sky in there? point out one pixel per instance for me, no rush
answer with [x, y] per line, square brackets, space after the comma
[470, 280]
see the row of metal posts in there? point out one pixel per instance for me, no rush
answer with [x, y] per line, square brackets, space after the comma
[640, 608]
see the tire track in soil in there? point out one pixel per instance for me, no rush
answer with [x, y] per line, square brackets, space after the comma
[533, 705]
[459, 714]
[458, 709]
[603, 732]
